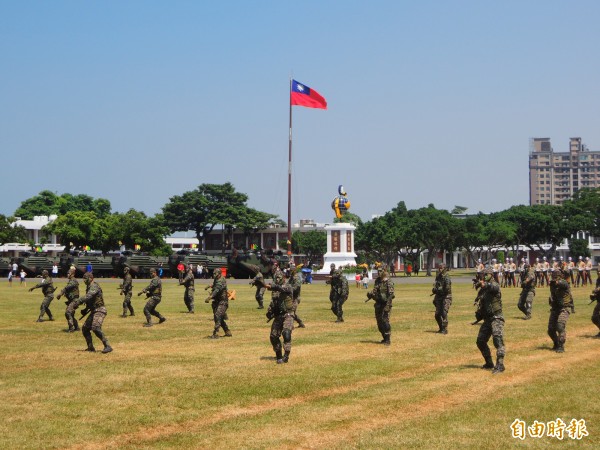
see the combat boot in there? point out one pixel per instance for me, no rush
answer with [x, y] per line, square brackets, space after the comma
[560, 348]
[499, 366]
[162, 320]
[444, 331]
[107, 348]
[340, 319]
[228, 333]
[286, 357]
[123, 315]
[527, 317]
[301, 325]
[214, 336]
[90, 349]
[148, 324]
[40, 319]
[51, 319]
[387, 341]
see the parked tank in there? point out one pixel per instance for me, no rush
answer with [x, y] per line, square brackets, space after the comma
[246, 265]
[140, 265]
[5, 265]
[211, 262]
[34, 263]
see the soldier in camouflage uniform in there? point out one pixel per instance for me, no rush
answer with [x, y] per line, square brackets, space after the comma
[561, 303]
[94, 303]
[220, 303]
[442, 289]
[493, 322]
[338, 293]
[188, 282]
[259, 282]
[383, 294]
[48, 289]
[127, 290]
[281, 310]
[296, 283]
[154, 294]
[71, 291]
[528, 284]
[594, 297]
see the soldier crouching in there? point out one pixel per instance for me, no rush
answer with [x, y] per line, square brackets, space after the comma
[154, 293]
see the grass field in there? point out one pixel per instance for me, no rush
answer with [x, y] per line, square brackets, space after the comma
[170, 387]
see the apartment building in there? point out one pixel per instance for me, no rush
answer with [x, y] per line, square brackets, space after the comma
[555, 176]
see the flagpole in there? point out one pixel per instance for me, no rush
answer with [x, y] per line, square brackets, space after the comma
[289, 217]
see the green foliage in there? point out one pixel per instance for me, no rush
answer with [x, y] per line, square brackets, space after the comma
[47, 203]
[579, 247]
[348, 217]
[10, 233]
[311, 243]
[211, 204]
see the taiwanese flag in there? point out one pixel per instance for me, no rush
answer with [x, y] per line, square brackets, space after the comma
[302, 95]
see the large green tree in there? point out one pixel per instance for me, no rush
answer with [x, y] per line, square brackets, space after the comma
[203, 208]
[311, 243]
[10, 232]
[47, 203]
[75, 229]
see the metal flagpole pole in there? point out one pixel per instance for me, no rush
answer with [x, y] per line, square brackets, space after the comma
[289, 217]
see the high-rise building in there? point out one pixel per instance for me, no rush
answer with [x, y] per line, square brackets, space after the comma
[555, 176]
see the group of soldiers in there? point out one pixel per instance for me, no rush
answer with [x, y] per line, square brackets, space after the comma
[508, 274]
[285, 297]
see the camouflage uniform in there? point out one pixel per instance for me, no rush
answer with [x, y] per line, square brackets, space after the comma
[154, 294]
[528, 283]
[48, 289]
[71, 291]
[127, 290]
[442, 289]
[281, 310]
[296, 283]
[188, 296]
[594, 297]
[338, 294]
[493, 323]
[383, 294]
[94, 302]
[259, 282]
[561, 303]
[220, 303]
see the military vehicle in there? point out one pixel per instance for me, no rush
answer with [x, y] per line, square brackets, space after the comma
[247, 265]
[211, 262]
[140, 264]
[102, 266]
[34, 263]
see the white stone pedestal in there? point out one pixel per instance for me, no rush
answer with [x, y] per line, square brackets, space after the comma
[340, 246]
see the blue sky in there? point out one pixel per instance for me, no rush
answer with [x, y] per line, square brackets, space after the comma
[429, 101]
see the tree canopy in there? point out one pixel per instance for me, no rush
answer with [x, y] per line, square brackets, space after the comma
[47, 203]
[211, 204]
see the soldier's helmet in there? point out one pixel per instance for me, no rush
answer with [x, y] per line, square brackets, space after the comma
[442, 268]
[556, 273]
[44, 273]
[488, 271]
[88, 277]
[126, 269]
[152, 270]
[217, 273]
[71, 272]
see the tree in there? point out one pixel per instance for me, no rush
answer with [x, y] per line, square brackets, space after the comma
[211, 204]
[348, 217]
[434, 228]
[579, 247]
[10, 232]
[47, 203]
[311, 243]
[75, 229]
[135, 228]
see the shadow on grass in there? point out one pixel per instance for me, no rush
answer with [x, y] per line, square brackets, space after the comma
[268, 358]
[590, 336]
[469, 367]
[370, 342]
